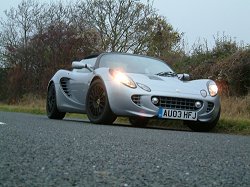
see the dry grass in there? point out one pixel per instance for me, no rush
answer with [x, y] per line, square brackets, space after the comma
[28, 104]
[32, 101]
[235, 107]
[235, 116]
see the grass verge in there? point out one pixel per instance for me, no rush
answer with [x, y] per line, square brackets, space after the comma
[233, 126]
[235, 115]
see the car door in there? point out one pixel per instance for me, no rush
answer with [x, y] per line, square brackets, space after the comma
[79, 84]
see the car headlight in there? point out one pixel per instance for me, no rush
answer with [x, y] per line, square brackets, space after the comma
[212, 88]
[122, 78]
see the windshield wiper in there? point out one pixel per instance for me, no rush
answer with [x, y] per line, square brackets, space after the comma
[167, 74]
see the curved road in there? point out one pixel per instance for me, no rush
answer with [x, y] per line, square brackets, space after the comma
[36, 151]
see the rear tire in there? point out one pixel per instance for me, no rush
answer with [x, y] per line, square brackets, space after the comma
[202, 126]
[97, 104]
[138, 121]
[51, 105]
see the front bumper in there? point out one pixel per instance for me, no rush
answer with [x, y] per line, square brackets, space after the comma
[126, 101]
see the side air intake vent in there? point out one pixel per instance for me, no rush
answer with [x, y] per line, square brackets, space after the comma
[210, 107]
[65, 85]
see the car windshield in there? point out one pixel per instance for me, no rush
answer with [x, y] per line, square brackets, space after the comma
[134, 64]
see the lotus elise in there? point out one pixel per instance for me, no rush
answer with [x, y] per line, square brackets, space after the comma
[108, 85]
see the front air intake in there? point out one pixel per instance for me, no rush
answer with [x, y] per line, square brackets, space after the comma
[178, 103]
[136, 99]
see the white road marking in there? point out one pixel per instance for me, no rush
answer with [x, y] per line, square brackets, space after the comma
[2, 123]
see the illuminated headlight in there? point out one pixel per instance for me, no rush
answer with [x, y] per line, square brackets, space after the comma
[122, 78]
[212, 88]
[144, 87]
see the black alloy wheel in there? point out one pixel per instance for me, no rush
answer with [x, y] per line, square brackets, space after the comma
[51, 106]
[97, 104]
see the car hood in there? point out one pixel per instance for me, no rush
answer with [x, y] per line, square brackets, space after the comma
[170, 84]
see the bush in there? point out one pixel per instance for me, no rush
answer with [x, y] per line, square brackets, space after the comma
[3, 84]
[236, 70]
[227, 63]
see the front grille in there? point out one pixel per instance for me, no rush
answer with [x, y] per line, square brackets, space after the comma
[210, 106]
[136, 99]
[177, 103]
[65, 84]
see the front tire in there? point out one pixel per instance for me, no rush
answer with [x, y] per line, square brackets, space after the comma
[203, 126]
[51, 105]
[97, 104]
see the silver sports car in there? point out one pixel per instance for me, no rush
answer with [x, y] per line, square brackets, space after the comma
[108, 85]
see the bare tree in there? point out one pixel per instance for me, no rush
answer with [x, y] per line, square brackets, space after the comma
[118, 23]
[36, 40]
[17, 28]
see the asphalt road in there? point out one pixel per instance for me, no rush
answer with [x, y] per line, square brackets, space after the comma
[36, 151]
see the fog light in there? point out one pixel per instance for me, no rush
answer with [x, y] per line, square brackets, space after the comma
[197, 104]
[155, 100]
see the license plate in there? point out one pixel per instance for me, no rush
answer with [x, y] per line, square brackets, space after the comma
[177, 114]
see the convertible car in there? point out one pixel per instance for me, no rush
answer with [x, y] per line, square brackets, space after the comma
[139, 87]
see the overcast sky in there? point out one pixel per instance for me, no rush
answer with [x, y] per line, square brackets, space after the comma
[205, 19]
[197, 19]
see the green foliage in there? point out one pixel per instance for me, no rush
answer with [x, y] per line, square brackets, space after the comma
[224, 47]
[236, 70]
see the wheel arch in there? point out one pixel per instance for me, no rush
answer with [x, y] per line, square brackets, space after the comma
[50, 82]
[96, 78]
[108, 116]
[52, 102]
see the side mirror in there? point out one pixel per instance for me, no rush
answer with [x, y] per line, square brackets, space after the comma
[183, 77]
[77, 65]
[80, 65]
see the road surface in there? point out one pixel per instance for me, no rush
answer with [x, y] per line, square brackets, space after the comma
[36, 151]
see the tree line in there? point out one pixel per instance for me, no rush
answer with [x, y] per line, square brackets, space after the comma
[37, 39]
